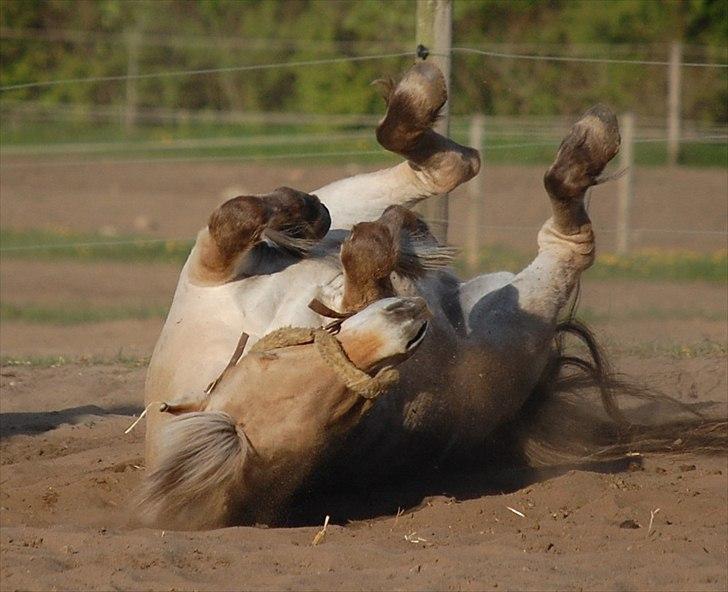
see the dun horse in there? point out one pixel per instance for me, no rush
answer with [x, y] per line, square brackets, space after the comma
[491, 357]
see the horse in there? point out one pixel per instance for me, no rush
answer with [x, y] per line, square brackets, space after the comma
[494, 342]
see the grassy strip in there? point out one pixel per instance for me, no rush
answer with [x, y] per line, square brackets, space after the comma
[504, 146]
[644, 265]
[589, 315]
[77, 315]
[54, 245]
[58, 361]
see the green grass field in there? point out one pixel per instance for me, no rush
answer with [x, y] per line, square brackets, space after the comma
[77, 314]
[316, 143]
[52, 245]
[644, 265]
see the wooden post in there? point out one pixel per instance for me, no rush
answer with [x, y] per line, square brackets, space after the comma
[476, 193]
[625, 182]
[133, 40]
[673, 104]
[434, 31]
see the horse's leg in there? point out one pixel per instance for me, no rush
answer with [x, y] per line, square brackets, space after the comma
[514, 318]
[286, 216]
[566, 241]
[435, 165]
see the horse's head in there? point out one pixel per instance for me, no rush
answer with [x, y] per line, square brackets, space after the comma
[385, 333]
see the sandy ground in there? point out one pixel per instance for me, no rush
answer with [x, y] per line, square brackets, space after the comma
[67, 470]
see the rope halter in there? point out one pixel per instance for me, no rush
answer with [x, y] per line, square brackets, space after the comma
[330, 349]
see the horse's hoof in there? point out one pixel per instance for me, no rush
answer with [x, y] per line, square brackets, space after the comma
[298, 215]
[592, 142]
[413, 106]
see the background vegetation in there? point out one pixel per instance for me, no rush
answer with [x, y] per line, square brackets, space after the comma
[53, 39]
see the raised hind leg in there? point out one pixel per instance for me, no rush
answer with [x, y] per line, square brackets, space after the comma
[288, 218]
[510, 321]
[435, 165]
[537, 294]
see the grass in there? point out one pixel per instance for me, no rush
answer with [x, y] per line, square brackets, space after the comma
[59, 361]
[504, 148]
[642, 265]
[589, 315]
[58, 245]
[77, 314]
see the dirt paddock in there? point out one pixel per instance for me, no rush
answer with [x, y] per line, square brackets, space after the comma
[67, 470]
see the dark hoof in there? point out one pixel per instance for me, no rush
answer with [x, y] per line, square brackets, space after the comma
[297, 214]
[413, 106]
[291, 219]
[592, 142]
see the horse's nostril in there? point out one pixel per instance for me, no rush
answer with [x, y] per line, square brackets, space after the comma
[411, 307]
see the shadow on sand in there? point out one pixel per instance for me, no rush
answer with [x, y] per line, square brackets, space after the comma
[13, 424]
[386, 499]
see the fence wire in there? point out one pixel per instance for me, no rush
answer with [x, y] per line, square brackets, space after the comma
[319, 62]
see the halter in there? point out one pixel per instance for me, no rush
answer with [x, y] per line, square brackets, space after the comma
[330, 349]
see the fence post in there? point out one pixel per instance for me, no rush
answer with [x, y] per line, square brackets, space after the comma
[476, 193]
[625, 184]
[133, 40]
[434, 31]
[673, 104]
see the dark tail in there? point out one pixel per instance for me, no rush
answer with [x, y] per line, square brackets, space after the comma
[560, 425]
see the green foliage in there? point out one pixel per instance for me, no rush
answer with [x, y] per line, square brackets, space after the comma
[121, 358]
[199, 34]
[654, 264]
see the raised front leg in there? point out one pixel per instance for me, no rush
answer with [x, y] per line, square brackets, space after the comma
[435, 165]
[290, 220]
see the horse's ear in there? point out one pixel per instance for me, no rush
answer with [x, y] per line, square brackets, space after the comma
[386, 87]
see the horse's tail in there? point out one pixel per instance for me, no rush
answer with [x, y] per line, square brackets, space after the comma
[557, 425]
[200, 470]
